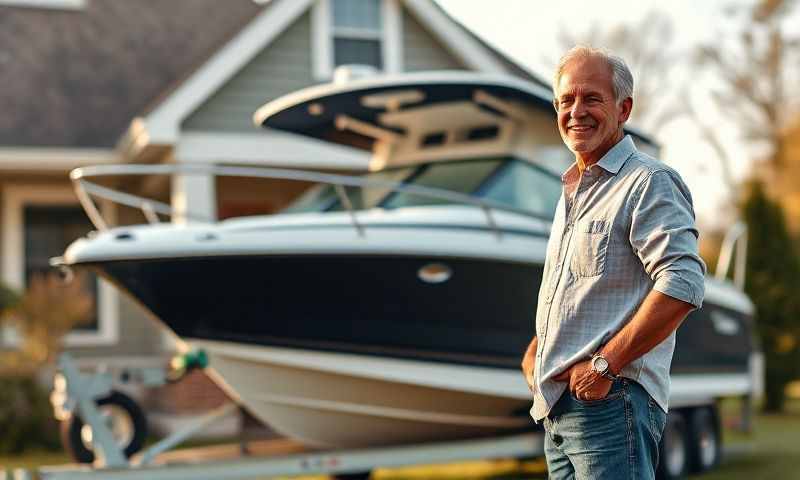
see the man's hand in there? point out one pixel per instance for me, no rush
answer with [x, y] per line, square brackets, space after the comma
[584, 383]
[529, 362]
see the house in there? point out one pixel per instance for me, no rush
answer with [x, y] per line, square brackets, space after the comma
[90, 82]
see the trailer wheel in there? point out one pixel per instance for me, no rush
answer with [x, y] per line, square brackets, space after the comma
[124, 418]
[705, 441]
[673, 461]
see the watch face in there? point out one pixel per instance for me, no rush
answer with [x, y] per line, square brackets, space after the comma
[600, 364]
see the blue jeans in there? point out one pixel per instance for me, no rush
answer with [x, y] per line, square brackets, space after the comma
[613, 438]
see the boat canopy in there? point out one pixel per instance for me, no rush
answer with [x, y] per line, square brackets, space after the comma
[340, 112]
[384, 108]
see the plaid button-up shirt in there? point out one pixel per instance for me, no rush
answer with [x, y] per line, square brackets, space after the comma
[623, 228]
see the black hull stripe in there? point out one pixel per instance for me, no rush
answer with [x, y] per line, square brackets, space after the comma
[377, 305]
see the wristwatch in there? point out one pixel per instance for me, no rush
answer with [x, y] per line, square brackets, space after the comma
[600, 365]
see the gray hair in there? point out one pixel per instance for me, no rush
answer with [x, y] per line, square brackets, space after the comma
[621, 76]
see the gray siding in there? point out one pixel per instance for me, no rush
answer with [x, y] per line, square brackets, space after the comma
[421, 51]
[283, 67]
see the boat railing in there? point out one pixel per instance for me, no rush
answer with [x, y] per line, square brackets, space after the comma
[734, 242]
[151, 209]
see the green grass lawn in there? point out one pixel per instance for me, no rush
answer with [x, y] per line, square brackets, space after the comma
[33, 459]
[775, 450]
[771, 451]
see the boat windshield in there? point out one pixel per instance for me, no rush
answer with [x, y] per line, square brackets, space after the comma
[507, 180]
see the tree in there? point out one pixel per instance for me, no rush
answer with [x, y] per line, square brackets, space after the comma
[754, 66]
[751, 66]
[784, 178]
[773, 271]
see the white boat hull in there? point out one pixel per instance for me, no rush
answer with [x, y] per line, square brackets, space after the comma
[343, 400]
[340, 400]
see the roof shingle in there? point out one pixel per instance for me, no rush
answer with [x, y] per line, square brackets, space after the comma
[77, 78]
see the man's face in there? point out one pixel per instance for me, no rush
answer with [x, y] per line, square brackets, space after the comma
[589, 118]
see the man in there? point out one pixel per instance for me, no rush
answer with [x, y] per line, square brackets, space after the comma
[622, 272]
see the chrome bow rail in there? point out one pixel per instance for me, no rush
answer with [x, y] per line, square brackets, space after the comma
[735, 241]
[86, 190]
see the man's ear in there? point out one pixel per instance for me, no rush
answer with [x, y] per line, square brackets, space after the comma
[626, 107]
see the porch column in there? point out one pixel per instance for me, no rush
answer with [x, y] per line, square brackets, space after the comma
[194, 198]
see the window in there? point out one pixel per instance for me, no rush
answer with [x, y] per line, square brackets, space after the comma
[48, 232]
[38, 221]
[526, 187]
[357, 32]
[361, 32]
[505, 180]
[460, 177]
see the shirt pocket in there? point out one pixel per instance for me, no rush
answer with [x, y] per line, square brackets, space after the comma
[591, 248]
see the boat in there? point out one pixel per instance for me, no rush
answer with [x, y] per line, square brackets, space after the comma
[392, 306]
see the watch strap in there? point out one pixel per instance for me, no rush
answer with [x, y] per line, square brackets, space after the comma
[610, 376]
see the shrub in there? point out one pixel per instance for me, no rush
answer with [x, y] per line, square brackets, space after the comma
[26, 416]
[47, 311]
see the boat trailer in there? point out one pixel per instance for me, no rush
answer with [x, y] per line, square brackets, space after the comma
[350, 464]
[78, 393]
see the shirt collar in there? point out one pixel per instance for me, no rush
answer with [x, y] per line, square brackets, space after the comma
[611, 162]
[615, 158]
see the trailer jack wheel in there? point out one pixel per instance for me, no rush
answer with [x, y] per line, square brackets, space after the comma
[125, 419]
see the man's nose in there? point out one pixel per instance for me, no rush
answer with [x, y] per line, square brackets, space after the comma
[578, 108]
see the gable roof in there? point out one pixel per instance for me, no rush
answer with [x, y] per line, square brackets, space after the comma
[77, 78]
[80, 77]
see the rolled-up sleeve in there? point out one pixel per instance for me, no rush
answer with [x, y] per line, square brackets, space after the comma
[664, 237]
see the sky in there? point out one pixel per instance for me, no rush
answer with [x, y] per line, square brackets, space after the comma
[526, 30]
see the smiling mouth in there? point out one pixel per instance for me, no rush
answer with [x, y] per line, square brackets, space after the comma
[580, 128]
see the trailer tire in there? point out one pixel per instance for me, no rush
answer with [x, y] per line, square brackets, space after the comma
[705, 441]
[673, 458]
[124, 409]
